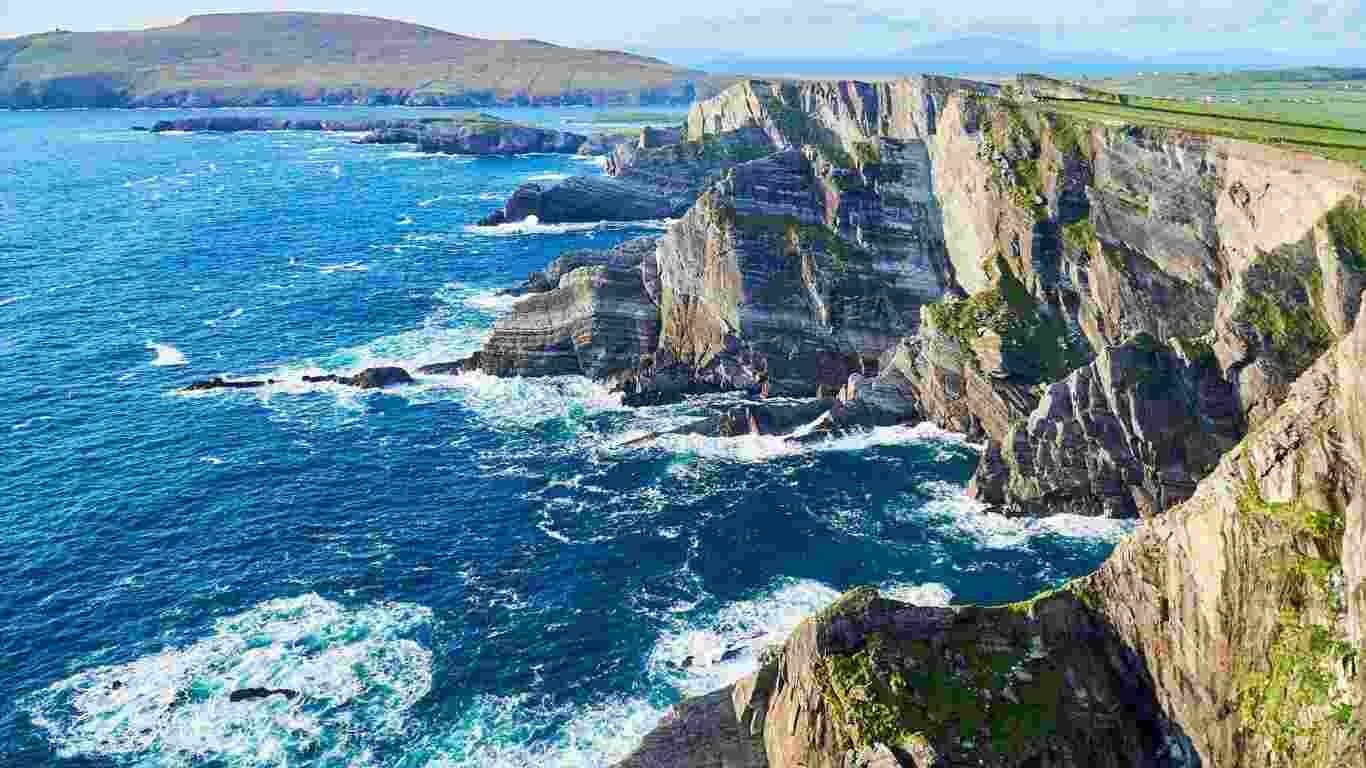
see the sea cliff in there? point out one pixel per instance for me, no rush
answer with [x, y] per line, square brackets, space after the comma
[1137, 321]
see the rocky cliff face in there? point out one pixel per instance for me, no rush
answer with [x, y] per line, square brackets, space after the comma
[1225, 632]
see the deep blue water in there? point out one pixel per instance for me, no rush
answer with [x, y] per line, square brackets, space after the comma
[460, 572]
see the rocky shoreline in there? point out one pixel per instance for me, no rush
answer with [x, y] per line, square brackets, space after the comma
[1129, 329]
[479, 134]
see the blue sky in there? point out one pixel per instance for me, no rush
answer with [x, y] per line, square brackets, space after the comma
[802, 27]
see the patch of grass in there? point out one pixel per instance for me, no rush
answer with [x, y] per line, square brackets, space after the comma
[1334, 143]
[840, 252]
[882, 694]
[1008, 309]
[1347, 226]
[1080, 234]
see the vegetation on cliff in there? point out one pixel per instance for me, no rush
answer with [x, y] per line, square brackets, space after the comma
[290, 58]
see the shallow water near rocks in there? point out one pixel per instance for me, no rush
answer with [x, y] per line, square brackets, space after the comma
[465, 571]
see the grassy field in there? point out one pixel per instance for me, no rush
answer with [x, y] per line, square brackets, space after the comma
[1315, 110]
[1328, 97]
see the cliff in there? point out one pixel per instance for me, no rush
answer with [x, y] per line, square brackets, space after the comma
[1224, 632]
[285, 59]
[940, 249]
[1139, 322]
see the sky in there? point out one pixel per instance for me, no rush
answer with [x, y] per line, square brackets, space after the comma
[792, 27]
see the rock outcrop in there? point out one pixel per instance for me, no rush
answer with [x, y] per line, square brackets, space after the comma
[1127, 435]
[466, 135]
[589, 314]
[370, 378]
[1224, 632]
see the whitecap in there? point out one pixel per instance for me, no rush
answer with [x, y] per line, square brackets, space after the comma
[167, 355]
[532, 225]
[356, 671]
[492, 302]
[211, 460]
[350, 266]
[761, 448]
[430, 201]
[954, 512]
[548, 177]
[142, 182]
[498, 731]
[405, 220]
[12, 299]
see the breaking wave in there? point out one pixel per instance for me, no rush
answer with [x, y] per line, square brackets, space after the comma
[166, 355]
[352, 674]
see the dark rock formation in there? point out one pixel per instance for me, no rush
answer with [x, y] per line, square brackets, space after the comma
[699, 733]
[1127, 435]
[597, 320]
[465, 135]
[252, 694]
[370, 378]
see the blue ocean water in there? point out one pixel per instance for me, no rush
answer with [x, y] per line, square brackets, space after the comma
[461, 572]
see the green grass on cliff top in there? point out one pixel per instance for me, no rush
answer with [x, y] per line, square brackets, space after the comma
[1334, 142]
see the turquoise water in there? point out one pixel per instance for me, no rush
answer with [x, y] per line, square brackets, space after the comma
[464, 571]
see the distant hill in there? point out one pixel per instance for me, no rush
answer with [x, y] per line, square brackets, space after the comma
[984, 55]
[262, 59]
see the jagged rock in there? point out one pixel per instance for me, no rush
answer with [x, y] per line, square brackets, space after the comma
[588, 198]
[378, 378]
[1127, 435]
[219, 382]
[251, 694]
[370, 378]
[596, 321]
[700, 732]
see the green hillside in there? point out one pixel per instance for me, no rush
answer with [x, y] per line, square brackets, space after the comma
[292, 58]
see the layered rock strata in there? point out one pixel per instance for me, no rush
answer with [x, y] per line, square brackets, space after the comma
[1224, 632]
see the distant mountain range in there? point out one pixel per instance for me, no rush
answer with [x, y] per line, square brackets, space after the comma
[246, 59]
[991, 55]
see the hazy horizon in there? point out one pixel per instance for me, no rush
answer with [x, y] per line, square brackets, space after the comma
[1318, 29]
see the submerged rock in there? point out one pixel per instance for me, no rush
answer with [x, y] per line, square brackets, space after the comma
[252, 694]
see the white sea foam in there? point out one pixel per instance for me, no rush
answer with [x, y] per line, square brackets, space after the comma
[520, 403]
[951, 510]
[498, 731]
[357, 672]
[531, 225]
[492, 301]
[167, 355]
[336, 171]
[430, 201]
[350, 266]
[760, 448]
[405, 220]
[548, 177]
[12, 300]
[703, 654]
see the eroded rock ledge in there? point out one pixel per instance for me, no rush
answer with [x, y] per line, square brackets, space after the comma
[462, 134]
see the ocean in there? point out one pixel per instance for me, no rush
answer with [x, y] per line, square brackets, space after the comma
[465, 571]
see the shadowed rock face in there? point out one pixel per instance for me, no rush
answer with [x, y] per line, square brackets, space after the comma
[594, 319]
[1224, 632]
[1127, 435]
